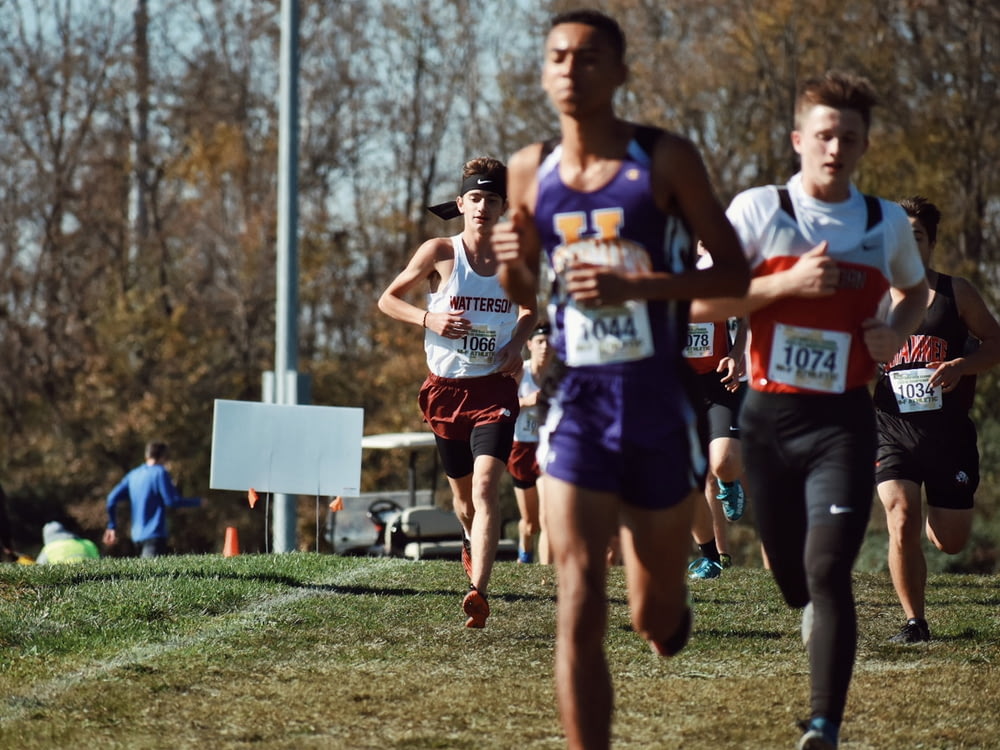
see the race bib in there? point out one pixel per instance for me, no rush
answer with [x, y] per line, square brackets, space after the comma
[699, 340]
[607, 335]
[810, 358]
[479, 345]
[913, 390]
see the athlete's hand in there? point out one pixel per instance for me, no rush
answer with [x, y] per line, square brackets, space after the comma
[110, 537]
[506, 240]
[730, 378]
[508, 359]
[881, 339]
[450, 325]
[596, 286]
[815, 274]
[946, 374]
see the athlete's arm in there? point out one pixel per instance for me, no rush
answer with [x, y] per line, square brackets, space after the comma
[680, 178]
[508, 357]
[884, 338]
[981, 324]
[680, 185]
[420, 268]
[516, 243]
[815, 274]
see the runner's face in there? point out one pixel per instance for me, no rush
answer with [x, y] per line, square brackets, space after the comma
[581, 70]
[830, 143]
[923, 241]
[482, 209]
[538, 345]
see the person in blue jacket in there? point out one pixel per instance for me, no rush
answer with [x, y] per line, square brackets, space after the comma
[150, 490]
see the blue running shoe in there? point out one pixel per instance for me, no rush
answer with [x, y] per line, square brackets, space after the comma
[703, 568]
[524, 557]
[820, 734]
[733, 499]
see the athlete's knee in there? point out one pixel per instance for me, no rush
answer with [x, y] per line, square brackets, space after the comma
[903, 518]
[728, 467]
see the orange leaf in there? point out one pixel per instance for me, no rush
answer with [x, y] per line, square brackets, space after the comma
[337, 504]
[252, 497]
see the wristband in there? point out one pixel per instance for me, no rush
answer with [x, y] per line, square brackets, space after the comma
[424, 322]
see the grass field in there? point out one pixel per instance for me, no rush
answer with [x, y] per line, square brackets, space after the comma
[318, 651]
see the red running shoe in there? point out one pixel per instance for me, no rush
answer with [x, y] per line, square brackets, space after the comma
[477, 608]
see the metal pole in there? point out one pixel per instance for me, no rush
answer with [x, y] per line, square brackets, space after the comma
[287, 272]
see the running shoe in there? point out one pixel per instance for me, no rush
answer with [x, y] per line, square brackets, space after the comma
[703, 568]
[524, 557]
[914, 631]
[467, 555]
[725, 560]
[732, 498]
[820, 734]
[476, 607]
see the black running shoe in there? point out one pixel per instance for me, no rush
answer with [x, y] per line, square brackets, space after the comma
[914, 631]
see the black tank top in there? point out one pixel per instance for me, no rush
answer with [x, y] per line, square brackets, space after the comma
[942, 336]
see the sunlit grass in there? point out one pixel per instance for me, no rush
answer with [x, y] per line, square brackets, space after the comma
[303, 650]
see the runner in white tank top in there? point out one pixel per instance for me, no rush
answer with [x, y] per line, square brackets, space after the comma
[491, 317]
[473, 342]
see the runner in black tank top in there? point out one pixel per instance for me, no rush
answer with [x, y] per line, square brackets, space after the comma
[925, 435]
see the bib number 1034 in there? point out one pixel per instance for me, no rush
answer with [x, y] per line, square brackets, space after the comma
[914, 391]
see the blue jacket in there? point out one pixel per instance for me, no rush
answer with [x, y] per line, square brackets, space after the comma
[151, 491]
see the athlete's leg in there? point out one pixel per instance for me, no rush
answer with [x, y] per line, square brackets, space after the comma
[839, 498]
[461, 499]
[654, 549]
[725, 459]
[949, 529]
[484, 531]
[780, 513]
[580, 525]
[528, 525]
[903, 513]
[544, 548]
[702, 518]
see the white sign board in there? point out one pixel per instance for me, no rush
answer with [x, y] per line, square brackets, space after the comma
[296, 450]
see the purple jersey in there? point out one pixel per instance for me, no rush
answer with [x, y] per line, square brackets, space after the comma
[621, 226]
[620, 420]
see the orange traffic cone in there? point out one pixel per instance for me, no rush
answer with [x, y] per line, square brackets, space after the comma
[232, 546]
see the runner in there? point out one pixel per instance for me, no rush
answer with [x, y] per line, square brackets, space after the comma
[473, 338]
[717, 359]
[823, 255]
[925, 435]
[523, 463]
[614, 206]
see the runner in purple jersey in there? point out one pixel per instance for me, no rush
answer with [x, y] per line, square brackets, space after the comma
[614, 207]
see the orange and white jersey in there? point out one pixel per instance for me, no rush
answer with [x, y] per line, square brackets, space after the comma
[815, 345]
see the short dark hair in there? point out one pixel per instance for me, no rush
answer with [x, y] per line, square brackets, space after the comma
[156, 450]
[839, 90]
[486, 166]
[594, 18]
[925, 212]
